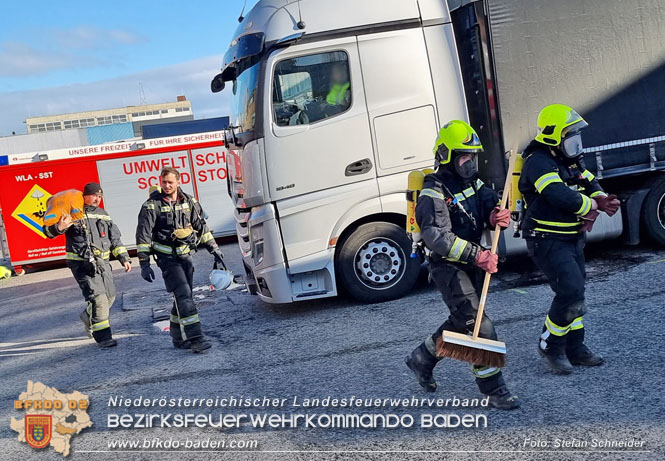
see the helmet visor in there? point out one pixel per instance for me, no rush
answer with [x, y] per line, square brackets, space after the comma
[571, 146]
[574, 128]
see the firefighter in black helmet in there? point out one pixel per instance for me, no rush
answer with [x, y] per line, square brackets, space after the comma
[453, 210]
[90, 243]
[171, 226]
[562, 201]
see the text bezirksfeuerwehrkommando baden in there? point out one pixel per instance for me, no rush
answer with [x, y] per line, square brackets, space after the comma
[291, 421]
[291, 402]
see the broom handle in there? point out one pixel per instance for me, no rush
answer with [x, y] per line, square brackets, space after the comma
[495, 244]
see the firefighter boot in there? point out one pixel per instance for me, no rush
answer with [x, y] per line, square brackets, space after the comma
[422, 362]
[108, 343]
[552, 348]
[182, 344]
[199, 344]
[85, 318]
[578, 353]
[502, 399]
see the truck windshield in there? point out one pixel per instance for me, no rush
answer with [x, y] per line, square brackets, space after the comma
[243, 102]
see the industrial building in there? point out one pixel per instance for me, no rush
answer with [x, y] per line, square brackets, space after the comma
[93, 127]
[140, 115]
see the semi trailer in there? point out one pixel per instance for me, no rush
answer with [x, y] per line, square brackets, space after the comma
[335, 102]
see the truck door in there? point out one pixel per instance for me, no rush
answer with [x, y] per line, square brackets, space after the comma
[318, 133]
[400, 99]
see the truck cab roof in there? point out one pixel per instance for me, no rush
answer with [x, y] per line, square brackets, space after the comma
[272, 21]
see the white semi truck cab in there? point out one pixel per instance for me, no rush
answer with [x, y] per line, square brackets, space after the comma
[333, 104]
[327, 122]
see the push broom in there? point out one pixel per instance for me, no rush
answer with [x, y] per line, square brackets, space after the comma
[473, 349]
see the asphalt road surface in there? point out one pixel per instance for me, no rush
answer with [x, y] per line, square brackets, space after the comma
[340, 348]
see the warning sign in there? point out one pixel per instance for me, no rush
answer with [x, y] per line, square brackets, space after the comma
[32, 209]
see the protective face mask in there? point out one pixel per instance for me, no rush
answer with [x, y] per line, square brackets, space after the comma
[467, 170]
[572, 146]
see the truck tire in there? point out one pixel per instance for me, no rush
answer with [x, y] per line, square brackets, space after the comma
[653, 212]
[373, 263]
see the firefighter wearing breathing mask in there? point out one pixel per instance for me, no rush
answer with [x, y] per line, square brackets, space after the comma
[453, 209]
[171, 226]
[562, 201]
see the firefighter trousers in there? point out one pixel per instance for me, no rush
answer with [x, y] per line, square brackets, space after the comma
[562, 262]
[96, 283]
[460, 286]
[178, 273]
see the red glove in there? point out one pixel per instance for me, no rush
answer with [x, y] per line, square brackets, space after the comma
[487, 261]
[500, 217]
[609, 204]
[588, 220]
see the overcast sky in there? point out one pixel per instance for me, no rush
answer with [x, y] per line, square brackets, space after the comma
[74, 56]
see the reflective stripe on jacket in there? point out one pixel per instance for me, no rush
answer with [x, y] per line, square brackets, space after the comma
[556, 194]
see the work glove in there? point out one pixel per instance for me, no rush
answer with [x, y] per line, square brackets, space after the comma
[501, 217]
[147, 273]
[487, 261]
[609, 204]
[588, 220]
[219, 257]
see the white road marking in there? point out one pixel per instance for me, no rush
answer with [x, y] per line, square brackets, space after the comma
[58, 343]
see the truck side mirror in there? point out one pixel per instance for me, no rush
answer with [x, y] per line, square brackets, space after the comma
[217, 84]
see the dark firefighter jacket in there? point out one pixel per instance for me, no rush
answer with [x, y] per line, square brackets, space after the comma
[448, 231]
[556, 194]
[159, 218]
[94, 235]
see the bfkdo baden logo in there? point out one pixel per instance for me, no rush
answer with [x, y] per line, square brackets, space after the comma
[38, 430]
[51, 417]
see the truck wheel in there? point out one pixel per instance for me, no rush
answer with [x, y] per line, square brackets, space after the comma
[373, 264]
[653, 212]
[19, 270]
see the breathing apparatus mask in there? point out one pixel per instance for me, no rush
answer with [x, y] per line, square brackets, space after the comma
[571, 145]
[465, 165]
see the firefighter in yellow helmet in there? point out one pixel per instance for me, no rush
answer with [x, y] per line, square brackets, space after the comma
[453, 210]
[562, 199]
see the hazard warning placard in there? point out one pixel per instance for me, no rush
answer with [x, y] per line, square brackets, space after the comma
[30, 211]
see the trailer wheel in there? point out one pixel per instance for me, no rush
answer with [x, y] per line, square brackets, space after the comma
[19, 270]
[653, 212]
[373, 263]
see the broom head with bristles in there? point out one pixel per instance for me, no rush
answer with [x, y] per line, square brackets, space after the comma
[479, 351]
